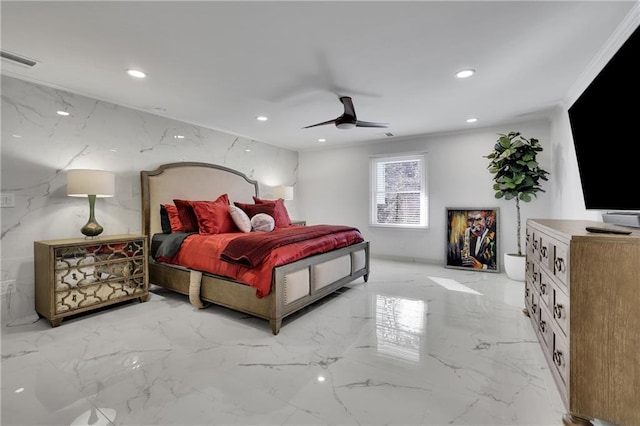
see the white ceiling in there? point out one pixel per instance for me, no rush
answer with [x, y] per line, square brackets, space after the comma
[221, 64]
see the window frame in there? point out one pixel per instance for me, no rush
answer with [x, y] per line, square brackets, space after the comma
[373, 192]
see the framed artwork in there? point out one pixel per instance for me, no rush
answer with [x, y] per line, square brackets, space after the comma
[472, 239]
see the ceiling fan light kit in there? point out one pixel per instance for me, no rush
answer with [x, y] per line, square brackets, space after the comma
[348, 119]
[345, 125]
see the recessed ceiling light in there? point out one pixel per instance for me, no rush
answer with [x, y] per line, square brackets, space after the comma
[322, 140]
[465, 73]
[136, 73]
[63, 113]
[261, 118]
[247, 150]
[16, 136]
[472, 120]
[178, 137]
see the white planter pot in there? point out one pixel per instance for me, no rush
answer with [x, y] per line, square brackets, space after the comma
[515, 266]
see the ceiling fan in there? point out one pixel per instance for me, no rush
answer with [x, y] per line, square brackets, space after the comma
[348, 119]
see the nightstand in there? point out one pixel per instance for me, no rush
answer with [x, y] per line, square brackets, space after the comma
[299, 222]
[79, 275]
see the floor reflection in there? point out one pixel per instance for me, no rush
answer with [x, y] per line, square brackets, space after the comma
[400, 327]
[453, 285]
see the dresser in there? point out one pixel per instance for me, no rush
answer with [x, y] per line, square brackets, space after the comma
[582, 295]
[79, 275]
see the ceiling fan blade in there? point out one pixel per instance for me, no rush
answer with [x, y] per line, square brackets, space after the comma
[321, 124]
[349, 110]
[370, 124]
[348, 119]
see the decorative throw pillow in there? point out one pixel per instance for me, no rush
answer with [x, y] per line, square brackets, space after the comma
[165, 223]
[240, 218]
[187, 216]
[262, 222]
[171, 216]
[213, 216]
[253, 209]
[281, 214]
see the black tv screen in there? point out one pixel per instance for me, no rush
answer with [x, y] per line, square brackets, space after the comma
[605, 123]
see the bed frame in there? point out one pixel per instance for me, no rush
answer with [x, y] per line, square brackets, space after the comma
[294, 286]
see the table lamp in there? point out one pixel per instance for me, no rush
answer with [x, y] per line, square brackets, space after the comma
[284, 192]
[92, 184]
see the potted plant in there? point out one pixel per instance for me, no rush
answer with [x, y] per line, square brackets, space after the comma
[517, 176]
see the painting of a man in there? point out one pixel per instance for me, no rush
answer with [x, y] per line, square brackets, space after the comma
[472, 239]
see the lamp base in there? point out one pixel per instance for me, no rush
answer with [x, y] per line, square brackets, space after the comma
[92, 229]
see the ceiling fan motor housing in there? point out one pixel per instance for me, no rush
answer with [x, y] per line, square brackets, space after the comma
[344, 122]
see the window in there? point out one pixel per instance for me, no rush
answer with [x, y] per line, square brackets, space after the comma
[399, 191]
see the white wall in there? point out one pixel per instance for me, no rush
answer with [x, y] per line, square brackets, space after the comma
[38, 146]
[333, 187]
[567, 201]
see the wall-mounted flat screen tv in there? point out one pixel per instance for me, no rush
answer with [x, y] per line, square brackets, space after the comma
[605, 123]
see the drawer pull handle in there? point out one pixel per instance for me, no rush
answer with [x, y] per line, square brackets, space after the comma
[557, 310]
[526, 292]
[543, 326]
[560, 264]
[543, 288]
[558, 358]
[534, 308]
[543, 250]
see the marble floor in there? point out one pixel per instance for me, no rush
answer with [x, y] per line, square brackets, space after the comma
[416, 345]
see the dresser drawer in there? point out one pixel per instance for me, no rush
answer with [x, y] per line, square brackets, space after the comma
[559, 307]
[87, 296]
[554, 258]
[545, 326]
[533, 301]
[532, 273]
[527, 290]
[532, 245]
[561, 262]
[545, 284]
[560, 355]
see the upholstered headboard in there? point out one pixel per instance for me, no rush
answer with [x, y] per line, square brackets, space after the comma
[190, 181]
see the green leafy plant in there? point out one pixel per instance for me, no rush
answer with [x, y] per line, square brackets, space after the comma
[517, 173]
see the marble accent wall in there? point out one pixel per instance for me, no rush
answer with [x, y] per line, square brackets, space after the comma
[39, 146]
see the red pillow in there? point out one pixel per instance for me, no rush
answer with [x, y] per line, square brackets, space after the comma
[174, 218]
[187, 216]
[213, 216]
[281, 214]
[253, 209]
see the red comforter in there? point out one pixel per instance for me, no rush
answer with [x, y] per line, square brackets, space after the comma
[202, 253]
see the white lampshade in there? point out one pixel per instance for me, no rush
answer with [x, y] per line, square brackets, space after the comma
[284, 192]
[83, 182]
[288, 193]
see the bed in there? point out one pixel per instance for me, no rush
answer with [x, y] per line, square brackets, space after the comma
[292, 286]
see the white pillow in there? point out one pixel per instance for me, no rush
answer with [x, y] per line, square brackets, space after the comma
[240, 218]
[262, 222]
